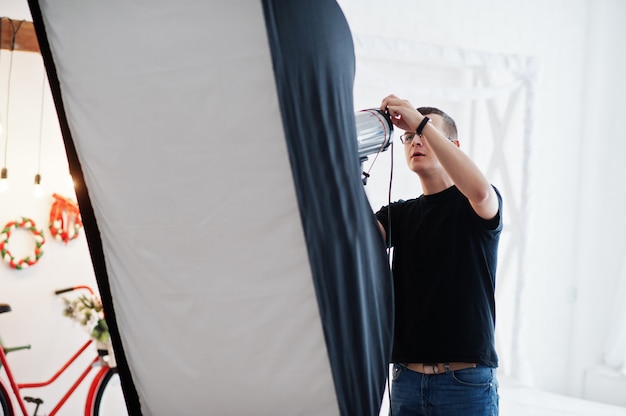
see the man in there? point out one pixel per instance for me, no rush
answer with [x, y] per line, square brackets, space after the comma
[445, 254]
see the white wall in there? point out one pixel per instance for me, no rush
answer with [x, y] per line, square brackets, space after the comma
[36, 318]
[601, 244]
[575, 249]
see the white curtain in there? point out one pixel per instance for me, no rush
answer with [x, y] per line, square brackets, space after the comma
[615, 348]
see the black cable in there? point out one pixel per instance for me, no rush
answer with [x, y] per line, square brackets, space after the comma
[365, 176]
[389, 202]
[389, 250]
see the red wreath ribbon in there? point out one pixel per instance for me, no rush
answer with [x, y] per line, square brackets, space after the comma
[65, 221]
[28, 224]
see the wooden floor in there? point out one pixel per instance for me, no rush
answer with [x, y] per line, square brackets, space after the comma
[517, 400]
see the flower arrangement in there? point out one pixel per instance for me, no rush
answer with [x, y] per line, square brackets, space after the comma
[87, 311]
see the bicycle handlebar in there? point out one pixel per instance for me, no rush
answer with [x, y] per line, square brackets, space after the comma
[70, 289]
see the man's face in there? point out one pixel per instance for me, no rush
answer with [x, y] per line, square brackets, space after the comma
[419, 156]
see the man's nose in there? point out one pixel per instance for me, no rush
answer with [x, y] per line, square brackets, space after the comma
[417, 140]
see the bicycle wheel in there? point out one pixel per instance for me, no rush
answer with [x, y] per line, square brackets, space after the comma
[108, 399]
[6, 409]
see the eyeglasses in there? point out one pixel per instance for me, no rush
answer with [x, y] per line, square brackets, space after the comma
[407, 138]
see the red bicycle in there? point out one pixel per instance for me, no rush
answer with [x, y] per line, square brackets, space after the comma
[104, 397]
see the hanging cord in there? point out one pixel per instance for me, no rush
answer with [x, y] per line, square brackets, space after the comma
[389, 204]
[6, 141]
[43, 89]
[367, 175]
[1, 22]
[389, 250]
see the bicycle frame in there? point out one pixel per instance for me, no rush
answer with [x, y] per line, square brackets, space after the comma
[18, 387]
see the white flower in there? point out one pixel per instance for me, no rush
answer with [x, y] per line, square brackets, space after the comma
[88, 312]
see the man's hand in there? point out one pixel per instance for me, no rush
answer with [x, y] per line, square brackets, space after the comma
[402, 113]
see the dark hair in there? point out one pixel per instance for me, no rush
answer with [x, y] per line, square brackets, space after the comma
[449, 126]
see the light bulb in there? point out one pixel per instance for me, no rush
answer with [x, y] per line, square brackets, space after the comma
[38, 189]
[4, 181]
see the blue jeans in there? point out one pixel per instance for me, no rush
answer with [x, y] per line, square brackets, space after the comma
[469, 392]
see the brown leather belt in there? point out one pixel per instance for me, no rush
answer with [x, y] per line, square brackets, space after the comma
[438, 368]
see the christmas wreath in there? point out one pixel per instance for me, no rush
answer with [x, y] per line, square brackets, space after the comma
[28, 224]
[65, 222]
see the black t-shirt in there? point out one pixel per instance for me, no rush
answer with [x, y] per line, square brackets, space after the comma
[444, 271]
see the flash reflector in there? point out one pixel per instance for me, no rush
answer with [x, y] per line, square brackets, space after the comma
[373, 131]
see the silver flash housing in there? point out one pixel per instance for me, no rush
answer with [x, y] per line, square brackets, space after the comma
[373, 131]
